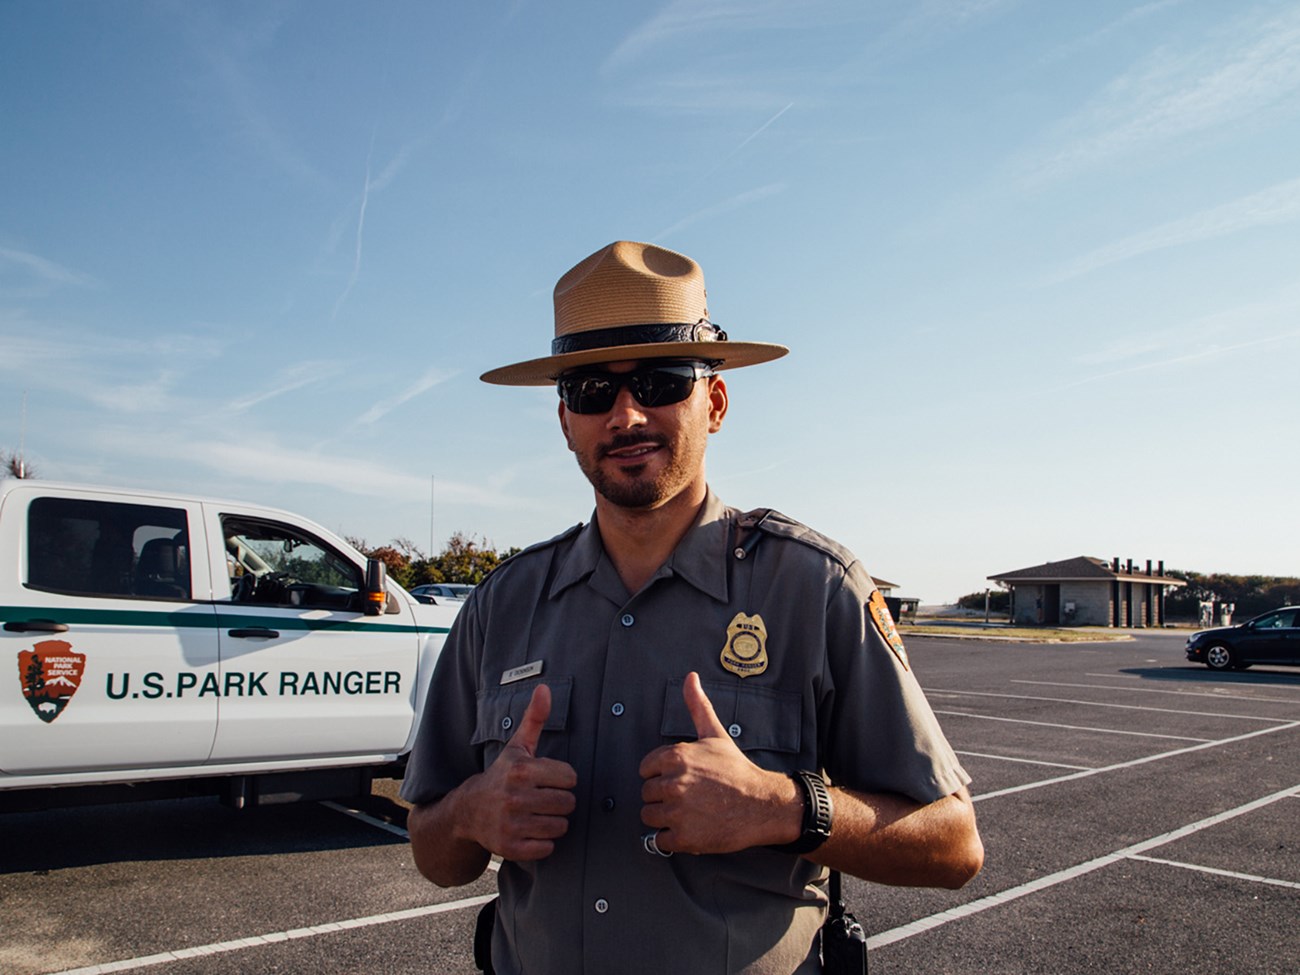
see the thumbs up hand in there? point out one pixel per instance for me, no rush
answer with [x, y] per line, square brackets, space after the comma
[519, 806]
[705, 796]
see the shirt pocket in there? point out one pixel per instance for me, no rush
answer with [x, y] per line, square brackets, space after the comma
[763, 721]
[500, 709]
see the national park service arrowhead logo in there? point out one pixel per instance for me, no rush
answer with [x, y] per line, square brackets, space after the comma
[884, 622]
[745, 652]
[50, 674]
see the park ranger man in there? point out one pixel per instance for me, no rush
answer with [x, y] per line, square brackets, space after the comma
[669, 722]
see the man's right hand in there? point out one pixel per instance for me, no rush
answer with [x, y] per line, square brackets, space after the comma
[519, 806]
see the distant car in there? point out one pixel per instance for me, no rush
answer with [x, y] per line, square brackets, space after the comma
[1273, 638]
[441, 590]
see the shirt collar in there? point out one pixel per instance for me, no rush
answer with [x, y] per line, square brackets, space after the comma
[700, 558]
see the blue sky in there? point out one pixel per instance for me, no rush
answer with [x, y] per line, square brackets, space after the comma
[1036, 262]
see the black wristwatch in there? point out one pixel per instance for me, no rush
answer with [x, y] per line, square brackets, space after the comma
[818, 812]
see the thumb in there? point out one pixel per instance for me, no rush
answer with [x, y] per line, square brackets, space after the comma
[698, 704]
[534, 719]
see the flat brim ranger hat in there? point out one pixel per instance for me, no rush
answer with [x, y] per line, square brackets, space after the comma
[632, 301]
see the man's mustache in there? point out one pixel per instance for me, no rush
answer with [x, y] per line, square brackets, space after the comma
[624, 440]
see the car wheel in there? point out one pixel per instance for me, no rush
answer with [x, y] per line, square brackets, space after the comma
[1219, 657]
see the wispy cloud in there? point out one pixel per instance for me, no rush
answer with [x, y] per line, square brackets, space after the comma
[1174, 94]
[1104, 33]
[290, 380]
[723, 160]
[35, 274]
[265, 459]
[112, 373]
[1220, 333]
[361, 227]
[925, 23]
[688, 19]
[367, 187]
[732, 203]
[381, 409]
[1210, 351]
[1278, 204]
[236, 55]
[707, 57]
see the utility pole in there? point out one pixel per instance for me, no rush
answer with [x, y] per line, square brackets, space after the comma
[432, 488]
[22, 440]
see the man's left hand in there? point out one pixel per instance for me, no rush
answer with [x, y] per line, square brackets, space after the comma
[705, 796]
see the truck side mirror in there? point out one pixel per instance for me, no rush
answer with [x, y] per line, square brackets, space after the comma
[376, 591]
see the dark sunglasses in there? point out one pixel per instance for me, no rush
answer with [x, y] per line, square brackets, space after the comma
[661, 384]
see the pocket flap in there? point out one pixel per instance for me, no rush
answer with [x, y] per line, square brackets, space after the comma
[500, 709]
[758, 718]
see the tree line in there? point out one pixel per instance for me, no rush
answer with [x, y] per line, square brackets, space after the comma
[465, 558]
[1251, 595]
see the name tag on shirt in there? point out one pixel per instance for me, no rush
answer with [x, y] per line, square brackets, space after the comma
[522, 673]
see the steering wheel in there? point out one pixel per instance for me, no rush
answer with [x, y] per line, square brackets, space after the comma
[242, 588]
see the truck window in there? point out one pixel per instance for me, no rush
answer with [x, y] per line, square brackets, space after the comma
[104, 548]
[280, 565]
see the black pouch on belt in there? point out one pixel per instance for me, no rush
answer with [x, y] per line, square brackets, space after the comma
[487, 919]
[844, 943]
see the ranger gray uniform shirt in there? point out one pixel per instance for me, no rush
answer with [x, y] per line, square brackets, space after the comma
[804, 679]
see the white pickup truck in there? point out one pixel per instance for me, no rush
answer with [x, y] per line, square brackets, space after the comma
[183, 645]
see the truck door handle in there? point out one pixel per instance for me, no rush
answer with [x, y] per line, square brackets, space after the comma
[36, 626]
[254, 633]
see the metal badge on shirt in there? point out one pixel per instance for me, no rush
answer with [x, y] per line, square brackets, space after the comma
[745, 652]
[884, 622]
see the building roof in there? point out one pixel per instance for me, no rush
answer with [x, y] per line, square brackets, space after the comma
[883, 583]
[1083, 568]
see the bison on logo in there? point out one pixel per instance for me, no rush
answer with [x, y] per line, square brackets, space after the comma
[50, 674]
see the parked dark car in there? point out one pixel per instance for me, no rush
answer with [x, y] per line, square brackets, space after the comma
[1273, 638]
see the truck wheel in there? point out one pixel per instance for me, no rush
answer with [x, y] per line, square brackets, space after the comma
[1219, 656]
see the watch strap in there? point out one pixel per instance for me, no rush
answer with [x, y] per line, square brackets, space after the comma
[818, 813]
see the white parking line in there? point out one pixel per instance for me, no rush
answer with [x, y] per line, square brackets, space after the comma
[260, 940]
[924, 924]
[1108, 704]
[1219, 873]
[1130, 764]
[1025, 761]
[1215, 695]
[1069, 727]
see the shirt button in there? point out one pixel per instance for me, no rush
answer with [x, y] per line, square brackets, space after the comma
[628, 619]
[607, 804]
[506, 722]
[617, 709]
[734, 731]
[602, 906]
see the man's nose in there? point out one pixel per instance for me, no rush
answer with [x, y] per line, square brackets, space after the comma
[626, 411]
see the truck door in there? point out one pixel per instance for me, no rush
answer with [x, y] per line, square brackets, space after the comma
[110, 638]
[306, 674]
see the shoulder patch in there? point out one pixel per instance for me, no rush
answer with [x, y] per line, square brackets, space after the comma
[884, 623]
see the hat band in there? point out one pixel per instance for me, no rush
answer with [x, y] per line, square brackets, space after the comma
[608, 338]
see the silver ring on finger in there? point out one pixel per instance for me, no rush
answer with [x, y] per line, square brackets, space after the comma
[650, 842]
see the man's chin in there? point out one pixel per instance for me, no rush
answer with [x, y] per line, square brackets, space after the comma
[628, 492]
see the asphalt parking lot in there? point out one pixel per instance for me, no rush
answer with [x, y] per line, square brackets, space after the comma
[1139, 813]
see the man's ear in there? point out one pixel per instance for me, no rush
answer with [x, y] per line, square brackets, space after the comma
[718, 401]
[564, 424]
